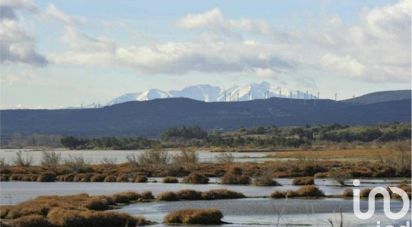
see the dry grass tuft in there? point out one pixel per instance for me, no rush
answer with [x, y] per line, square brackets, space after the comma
[304, 191]
[170, 180]
[222, 194]
[195, 217]
[304, 181]
[167, 196]
[33, 220]
[196, 178]
[235, 176]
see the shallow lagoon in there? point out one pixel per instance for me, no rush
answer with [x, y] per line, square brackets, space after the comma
[119, 156]
[273, 212]
[240, 212]
[13, 192]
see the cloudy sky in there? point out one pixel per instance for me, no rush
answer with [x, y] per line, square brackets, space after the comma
[65, 53]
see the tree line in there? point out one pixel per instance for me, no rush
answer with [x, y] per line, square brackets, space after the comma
[271, 136]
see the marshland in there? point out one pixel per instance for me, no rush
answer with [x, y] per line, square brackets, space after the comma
[266, 176]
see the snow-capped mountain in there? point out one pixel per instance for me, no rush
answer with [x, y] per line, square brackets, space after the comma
[140, 96]
[209, 93]
[201, 92]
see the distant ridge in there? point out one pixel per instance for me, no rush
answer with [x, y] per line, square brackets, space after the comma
[150, 118]
[382, 96]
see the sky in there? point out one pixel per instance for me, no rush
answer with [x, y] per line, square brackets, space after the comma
[57, 54]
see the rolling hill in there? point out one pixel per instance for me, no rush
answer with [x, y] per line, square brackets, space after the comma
[383, 96]
[150, 118]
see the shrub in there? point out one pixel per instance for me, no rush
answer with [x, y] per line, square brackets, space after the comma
[304, 181]
[76, 164]
[132, 160]
[154, 157]
[23, 161]
[140, 179]
[4, 167]
[195, 216]
[196, 178]
[310, 191]
[167, 196]
[47, 177]
[186, 156]
[222, 194]
[189, 195]
[170, 180]
[50, 159]
[33, 220]
[278, 194]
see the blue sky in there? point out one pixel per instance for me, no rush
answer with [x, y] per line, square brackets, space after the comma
[68, 53]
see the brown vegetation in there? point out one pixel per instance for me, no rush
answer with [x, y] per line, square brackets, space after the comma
[265, 180]
[195, 216]
[304, 191]
[235, 176]
[170, 180]
[76, 210]
[196, 195]
[76, 169]
[196, 178]
[304, 181]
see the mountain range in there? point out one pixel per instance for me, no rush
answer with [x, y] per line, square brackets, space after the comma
[150, 118]
[209, 93]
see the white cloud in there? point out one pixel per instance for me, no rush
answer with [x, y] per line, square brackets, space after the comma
[215, 20]
[16, 45]
[53, 12]
[342, 64]
[375, 49]
[178, 58]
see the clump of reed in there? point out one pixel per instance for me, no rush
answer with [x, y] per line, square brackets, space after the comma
[196, 195]
[195, 217]
[75, 210]
[265, 179]
[235, 176]
[196, 178]
[170, 180]
[303, 181]
[304, 191]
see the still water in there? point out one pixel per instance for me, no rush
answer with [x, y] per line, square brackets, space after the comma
[119, 156]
